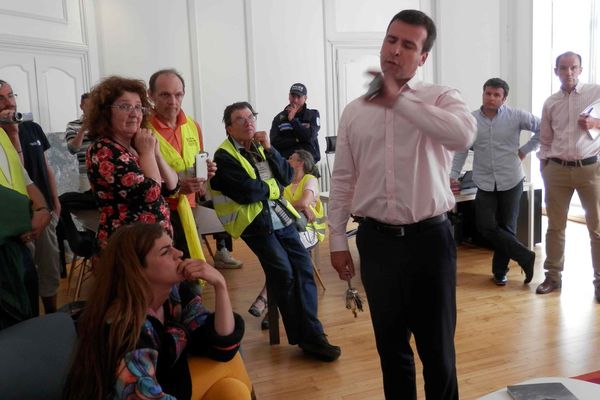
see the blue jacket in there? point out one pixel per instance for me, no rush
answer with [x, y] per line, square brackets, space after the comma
[300, 133]
[233, 181]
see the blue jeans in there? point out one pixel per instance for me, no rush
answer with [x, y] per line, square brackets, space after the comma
[289, 274]
[496, 215]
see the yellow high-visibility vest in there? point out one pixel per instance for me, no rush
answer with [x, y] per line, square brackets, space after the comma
[17, 181]
[236, 217]
[319, 225]
[181, 162]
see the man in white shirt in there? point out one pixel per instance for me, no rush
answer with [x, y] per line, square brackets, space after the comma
[394, 151]
[569, 162]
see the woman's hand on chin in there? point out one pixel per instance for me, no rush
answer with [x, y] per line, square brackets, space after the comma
[193, 269]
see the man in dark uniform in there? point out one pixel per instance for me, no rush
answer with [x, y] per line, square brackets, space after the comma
[297, 126]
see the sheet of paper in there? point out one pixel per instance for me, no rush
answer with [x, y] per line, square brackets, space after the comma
[594, 111]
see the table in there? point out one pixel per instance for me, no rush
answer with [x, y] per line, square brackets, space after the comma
[470, 195]
[581, 389]
[527, 187]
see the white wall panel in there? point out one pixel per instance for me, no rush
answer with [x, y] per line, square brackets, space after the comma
[43, 21]
[288, 46]
[220, 45]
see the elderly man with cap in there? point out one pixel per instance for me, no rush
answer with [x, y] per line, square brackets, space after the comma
[297, 126]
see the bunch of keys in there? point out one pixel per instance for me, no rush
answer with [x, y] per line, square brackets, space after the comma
[353, 300]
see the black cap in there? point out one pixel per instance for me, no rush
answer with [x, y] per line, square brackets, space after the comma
[299, 89]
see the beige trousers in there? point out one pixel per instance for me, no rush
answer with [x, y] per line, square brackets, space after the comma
[560, 182]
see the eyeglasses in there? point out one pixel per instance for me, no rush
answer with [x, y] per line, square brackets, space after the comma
[240, 121]
[124, 107]
[10, 96]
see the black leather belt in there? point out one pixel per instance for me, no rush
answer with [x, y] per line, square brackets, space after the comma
[575, 163]
[402, 230]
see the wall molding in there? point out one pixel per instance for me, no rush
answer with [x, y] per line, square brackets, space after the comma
[36, 44]
[61, 20]
[196, 83]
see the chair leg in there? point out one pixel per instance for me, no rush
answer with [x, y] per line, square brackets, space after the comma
[314, 256]
[318, 275]
[82, 272]
[210, 251]
[273, 314]
[71, 272]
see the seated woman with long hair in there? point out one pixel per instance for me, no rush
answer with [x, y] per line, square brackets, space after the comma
[142, 320]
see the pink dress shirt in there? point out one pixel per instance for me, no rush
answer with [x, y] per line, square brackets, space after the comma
[560, 136]
[392, 164]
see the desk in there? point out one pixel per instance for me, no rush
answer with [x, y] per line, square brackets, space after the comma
[527, 187]
[468, 196]
[581, 389]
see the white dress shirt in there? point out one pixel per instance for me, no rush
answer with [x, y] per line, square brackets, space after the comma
[392, 164]
[560, 136]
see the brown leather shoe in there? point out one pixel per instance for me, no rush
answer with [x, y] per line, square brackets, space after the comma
[548, 286]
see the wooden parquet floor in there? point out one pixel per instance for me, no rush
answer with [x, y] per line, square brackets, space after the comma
[504, 335]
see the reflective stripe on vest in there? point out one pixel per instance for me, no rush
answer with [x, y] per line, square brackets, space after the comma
[319, 225]
[236, 217]
[17, 181]
[190, 146]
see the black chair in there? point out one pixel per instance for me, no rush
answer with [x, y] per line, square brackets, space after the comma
[83, 243]
[36, 355]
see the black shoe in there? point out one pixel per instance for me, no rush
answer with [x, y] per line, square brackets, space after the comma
[321, 349]
[264, 324]
[528, 267]
[499, 279]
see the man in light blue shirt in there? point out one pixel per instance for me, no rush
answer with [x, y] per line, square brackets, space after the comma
[499, 176]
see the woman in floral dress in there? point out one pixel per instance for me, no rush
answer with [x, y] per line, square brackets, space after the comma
[127, 173]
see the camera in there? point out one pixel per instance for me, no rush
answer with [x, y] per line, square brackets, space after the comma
[16, 118]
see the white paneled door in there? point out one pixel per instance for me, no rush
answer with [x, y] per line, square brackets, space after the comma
[48, 85]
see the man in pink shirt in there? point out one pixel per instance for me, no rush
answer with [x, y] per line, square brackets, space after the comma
[569, 162]
[394, 153]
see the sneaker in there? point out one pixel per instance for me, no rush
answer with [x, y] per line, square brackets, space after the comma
[224, 260]
[321, 349]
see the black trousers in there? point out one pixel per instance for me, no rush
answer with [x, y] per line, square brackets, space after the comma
[410, 282]
[496, 215]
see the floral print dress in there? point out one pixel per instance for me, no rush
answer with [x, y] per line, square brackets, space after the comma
[123, 193]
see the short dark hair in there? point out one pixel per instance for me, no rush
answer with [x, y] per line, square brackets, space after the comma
[240, 105]
[418, 18]
[497, 83]
[85, 96]
[568, 53]
[166, 71]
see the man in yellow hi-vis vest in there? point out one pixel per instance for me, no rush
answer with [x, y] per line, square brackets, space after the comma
[180, 140]
[247, 193]
[23, 216]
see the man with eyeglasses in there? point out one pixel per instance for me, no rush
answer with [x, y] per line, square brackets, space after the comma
[180, 140]
[32, 145]
[247, 193]
[297, 126]
[568, 156]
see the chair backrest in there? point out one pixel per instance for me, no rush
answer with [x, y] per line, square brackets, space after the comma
[36, 356]
[82, 243]
[330, 141]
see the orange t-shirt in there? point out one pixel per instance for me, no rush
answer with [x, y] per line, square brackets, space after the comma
[173, 136]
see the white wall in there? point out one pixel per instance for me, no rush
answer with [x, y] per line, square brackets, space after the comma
[232, 50]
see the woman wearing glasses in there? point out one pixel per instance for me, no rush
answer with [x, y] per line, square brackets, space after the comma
[127, 173]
